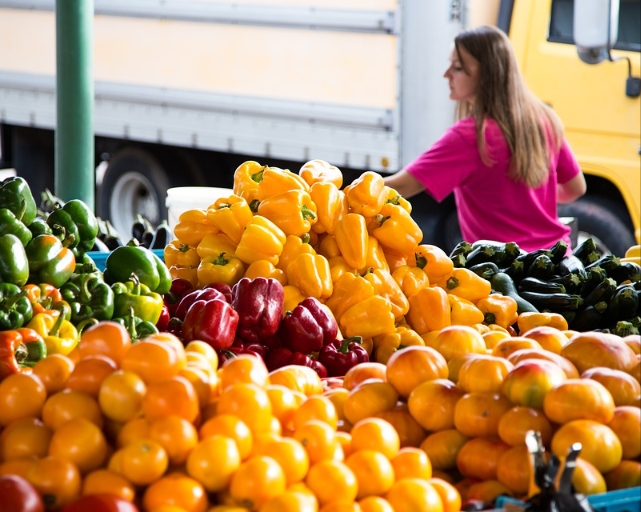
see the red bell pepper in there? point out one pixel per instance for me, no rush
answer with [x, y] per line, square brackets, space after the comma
[259, 303]
[282, 356]
[340, 355]
[186, 302]
[308, 327]
[223, 288]
[179, 288]
[212, 321]
[163, 321]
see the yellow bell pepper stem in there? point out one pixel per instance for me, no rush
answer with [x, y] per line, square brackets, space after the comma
[192, 227]
[292, 297]
[293, 211]
[410, 279]
[60, 335]
[467, 284]
[385, 286]
[529, 320]
[331, 205]
[349, 290]
[375, 257]
[178, 253]
[214, 245]
[434, 261]
[320, 171]
[498, 309]
[386, 344]
[370, 317]
[366, 194]
[352, 239]
[311, 274]
[230, 215]
[276, 181]
[246, 179]
[294, 245]
[464, 312]
[393, 197]
[266, 269]
[429, 310]
[220, 269]
[261, 240]
[397, 230]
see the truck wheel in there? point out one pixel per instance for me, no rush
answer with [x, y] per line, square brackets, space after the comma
[135, 182]
[601, 219]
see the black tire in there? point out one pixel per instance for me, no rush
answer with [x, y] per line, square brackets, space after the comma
[604, 220]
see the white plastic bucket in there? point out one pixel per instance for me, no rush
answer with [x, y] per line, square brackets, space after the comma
[181, 199]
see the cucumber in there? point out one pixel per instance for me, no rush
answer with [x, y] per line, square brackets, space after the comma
[553, 301]
[533, 284]
[502, 283]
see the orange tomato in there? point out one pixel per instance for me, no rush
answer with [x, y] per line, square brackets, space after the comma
[600, 445]
[432, 404]
[89, 372]
[410, 433]
[450, 496]
[368, 398]
[332, 480]
[176, 435]
[375, 434]
[492, 337]
[120, 395]
[550, 338]
[337, 396]
[486, 491]
[454, 365]
[141, 462]
[19, 466]
[54, 370]
[290, 455]
[513, 469]
[516, 422]
[200, 347]
[319, 440]
[213, 461]
[509, 345]
[484, 373]
[67, 405]
[587, 479]
[479, 457]
[177, 490]
[375, 504]
[589, 349]
[413, 365]
[25, 437]
[230, 426]
[533, 353]
[244, 368]
[443, 447]
[530, 380]
[626, 424]
[623, 387]
[364, 371]
[636, 370]
[173, 396]
[284, 402]
[297, 378]
[56, 478]
[80, 441]
[411, 462]
[317, 407]
[106, 338]
[153, 361]
[456, 340]
[634, 342]
[290, 501]
[414, 495]
[373, 471]
[21, 395]
[577, 399]
[103, 481]
[250, 403]
[256, 481]
[625, 476]
[205, 383]
[478, 414]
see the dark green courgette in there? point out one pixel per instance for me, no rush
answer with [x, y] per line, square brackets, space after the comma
[502, 283]
[541, 268]
[462, 247]
[553, 301]
[595, 276]
[533, 284]
[485, 270]
[609, 262]
[516, 270]
[572, 282]
[481, 254]
[589, 318]
[626, 271]
[625, 328]
[528, 258]
[602, 292]
[571, 265]
[558, 251]
[624, 304]
[586, 247]
[458, 260]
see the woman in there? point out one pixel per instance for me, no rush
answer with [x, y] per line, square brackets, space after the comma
[506, 159]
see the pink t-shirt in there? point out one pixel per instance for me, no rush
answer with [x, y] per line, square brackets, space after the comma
[490, 205]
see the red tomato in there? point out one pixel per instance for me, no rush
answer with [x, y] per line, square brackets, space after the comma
[18, 495]
[100, 503]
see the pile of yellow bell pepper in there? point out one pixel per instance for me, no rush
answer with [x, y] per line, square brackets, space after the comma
[356, 249]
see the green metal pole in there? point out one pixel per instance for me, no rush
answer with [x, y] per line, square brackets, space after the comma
[74, 148]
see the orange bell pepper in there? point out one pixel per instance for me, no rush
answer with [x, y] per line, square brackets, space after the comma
[464, 312]
[385, 345]
[385, 286]
[320, 171]
[366, 194]
[192, 227]
[394, 260]
[189, 273]
[337, 267]
[529, 320]
[397, 230]
[410, 279]
[294, 245]
[331, 205]
[498, 309]
[261, 240]
[266, 269]
[370, 317]
[434, 261]
[230, 215]
[375, 257]
[292, 297]
[328, 246]
[293, 211]
[467, 284]
[43, 297]
[349, 290]
[393, 197]
[214, 244]
[246, 178]
[429, 310]
[310, 273]
[352, 239]
[224, 268]
[177, 253]
[274, 181]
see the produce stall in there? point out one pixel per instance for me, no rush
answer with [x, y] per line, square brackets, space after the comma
[295, 346]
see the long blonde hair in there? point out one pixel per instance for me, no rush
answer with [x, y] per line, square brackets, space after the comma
[525, 121]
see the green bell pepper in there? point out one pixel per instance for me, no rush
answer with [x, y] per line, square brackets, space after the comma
[39, 226]
[16, 195]
[136, 326]
[75, 218]
[14, 262]
[49, 261]
[136, 259]
[15, 307]
[89, 297]
[11, 223]
[146, 304]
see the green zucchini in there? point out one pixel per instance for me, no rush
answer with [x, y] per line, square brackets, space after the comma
[516, 270]
[595, 276]
[529, 257]
[585, 248]
[485, 270]
[542, 267]
[558, 251]
[571, 265]
[462, 247]
[572, 282]
[483, 253]
[502, 283]
[602, 292]
[625, 328]
[609, 262]
[626, 271]
[624, 304]
[589, 318]
[533, 284]
[553, 301]
[458, 260]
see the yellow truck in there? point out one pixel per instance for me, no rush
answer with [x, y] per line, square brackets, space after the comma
[186, 90]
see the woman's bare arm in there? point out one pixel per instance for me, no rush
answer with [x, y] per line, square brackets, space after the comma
[571, 190]
[404, 183]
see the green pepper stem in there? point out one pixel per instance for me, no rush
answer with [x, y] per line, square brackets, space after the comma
[307, 213]
[56, 327]
[221, 260]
